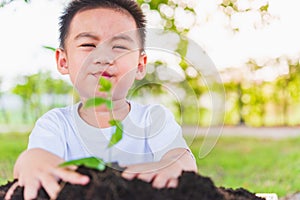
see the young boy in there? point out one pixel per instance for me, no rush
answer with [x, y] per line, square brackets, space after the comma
[103, 38]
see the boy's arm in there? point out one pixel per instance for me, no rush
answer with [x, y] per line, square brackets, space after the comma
[165, 172]
[36, 168]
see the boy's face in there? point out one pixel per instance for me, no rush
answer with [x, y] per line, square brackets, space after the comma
[102, 42]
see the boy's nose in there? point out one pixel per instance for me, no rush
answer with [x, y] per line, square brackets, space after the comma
[102, 55]
[103, 60]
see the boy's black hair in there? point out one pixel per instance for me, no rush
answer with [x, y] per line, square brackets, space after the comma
[119, 5]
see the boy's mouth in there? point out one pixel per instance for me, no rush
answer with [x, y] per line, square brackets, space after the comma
[106, 74]
[103, 74]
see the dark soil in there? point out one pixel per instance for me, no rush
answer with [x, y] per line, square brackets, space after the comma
[109, 185]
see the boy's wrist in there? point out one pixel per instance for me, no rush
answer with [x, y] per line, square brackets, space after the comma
[183, 157]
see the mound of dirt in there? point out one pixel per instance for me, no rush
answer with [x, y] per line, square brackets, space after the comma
[109, 185]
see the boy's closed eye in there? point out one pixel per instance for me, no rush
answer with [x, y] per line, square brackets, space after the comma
[88, 45]
[122, 47]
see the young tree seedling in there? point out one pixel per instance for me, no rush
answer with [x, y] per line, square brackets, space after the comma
[93, 162]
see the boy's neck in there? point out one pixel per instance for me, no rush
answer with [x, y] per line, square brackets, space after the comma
[100, 116]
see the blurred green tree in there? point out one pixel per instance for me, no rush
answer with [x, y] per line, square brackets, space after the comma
[252, 100]
[3, 111]
[40, 92]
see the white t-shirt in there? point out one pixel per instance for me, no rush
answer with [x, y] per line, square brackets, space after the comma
[149, 131]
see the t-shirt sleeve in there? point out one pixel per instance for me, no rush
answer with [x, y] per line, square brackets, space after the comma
[46, 134]
[164, 133]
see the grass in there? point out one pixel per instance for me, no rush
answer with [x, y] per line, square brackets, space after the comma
[259, 165]
[11, 145]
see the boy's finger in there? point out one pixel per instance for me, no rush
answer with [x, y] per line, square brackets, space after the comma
[10, 191]
[71, 167]
[128, 175]
[172, 183]
[159, 182]
[141, 168]
[147, 177]
[31, 189]
[71, 176]
[49, 183]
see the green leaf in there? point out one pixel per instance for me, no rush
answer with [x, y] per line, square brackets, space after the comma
[91, 162]
[109, 104]
[50, 48]
[117, 136]
[97, 101]
[105, 85]
[264, 8]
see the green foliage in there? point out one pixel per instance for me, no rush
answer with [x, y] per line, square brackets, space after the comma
[33, 88]
[263, 102]
[97, 101]
[264, 7]
[91, 162]
[11, 146]
[254, 105]
[260, 165]
[105, 85]
[49, 48]
[117, 136]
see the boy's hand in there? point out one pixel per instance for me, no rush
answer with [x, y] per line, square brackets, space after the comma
[164, 173]
[36, 168]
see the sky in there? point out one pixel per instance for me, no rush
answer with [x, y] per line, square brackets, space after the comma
[25, 28]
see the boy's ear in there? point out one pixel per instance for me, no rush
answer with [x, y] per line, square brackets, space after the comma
[61, 61]
[141, 69]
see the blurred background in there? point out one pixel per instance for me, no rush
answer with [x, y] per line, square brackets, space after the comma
[254, 46]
